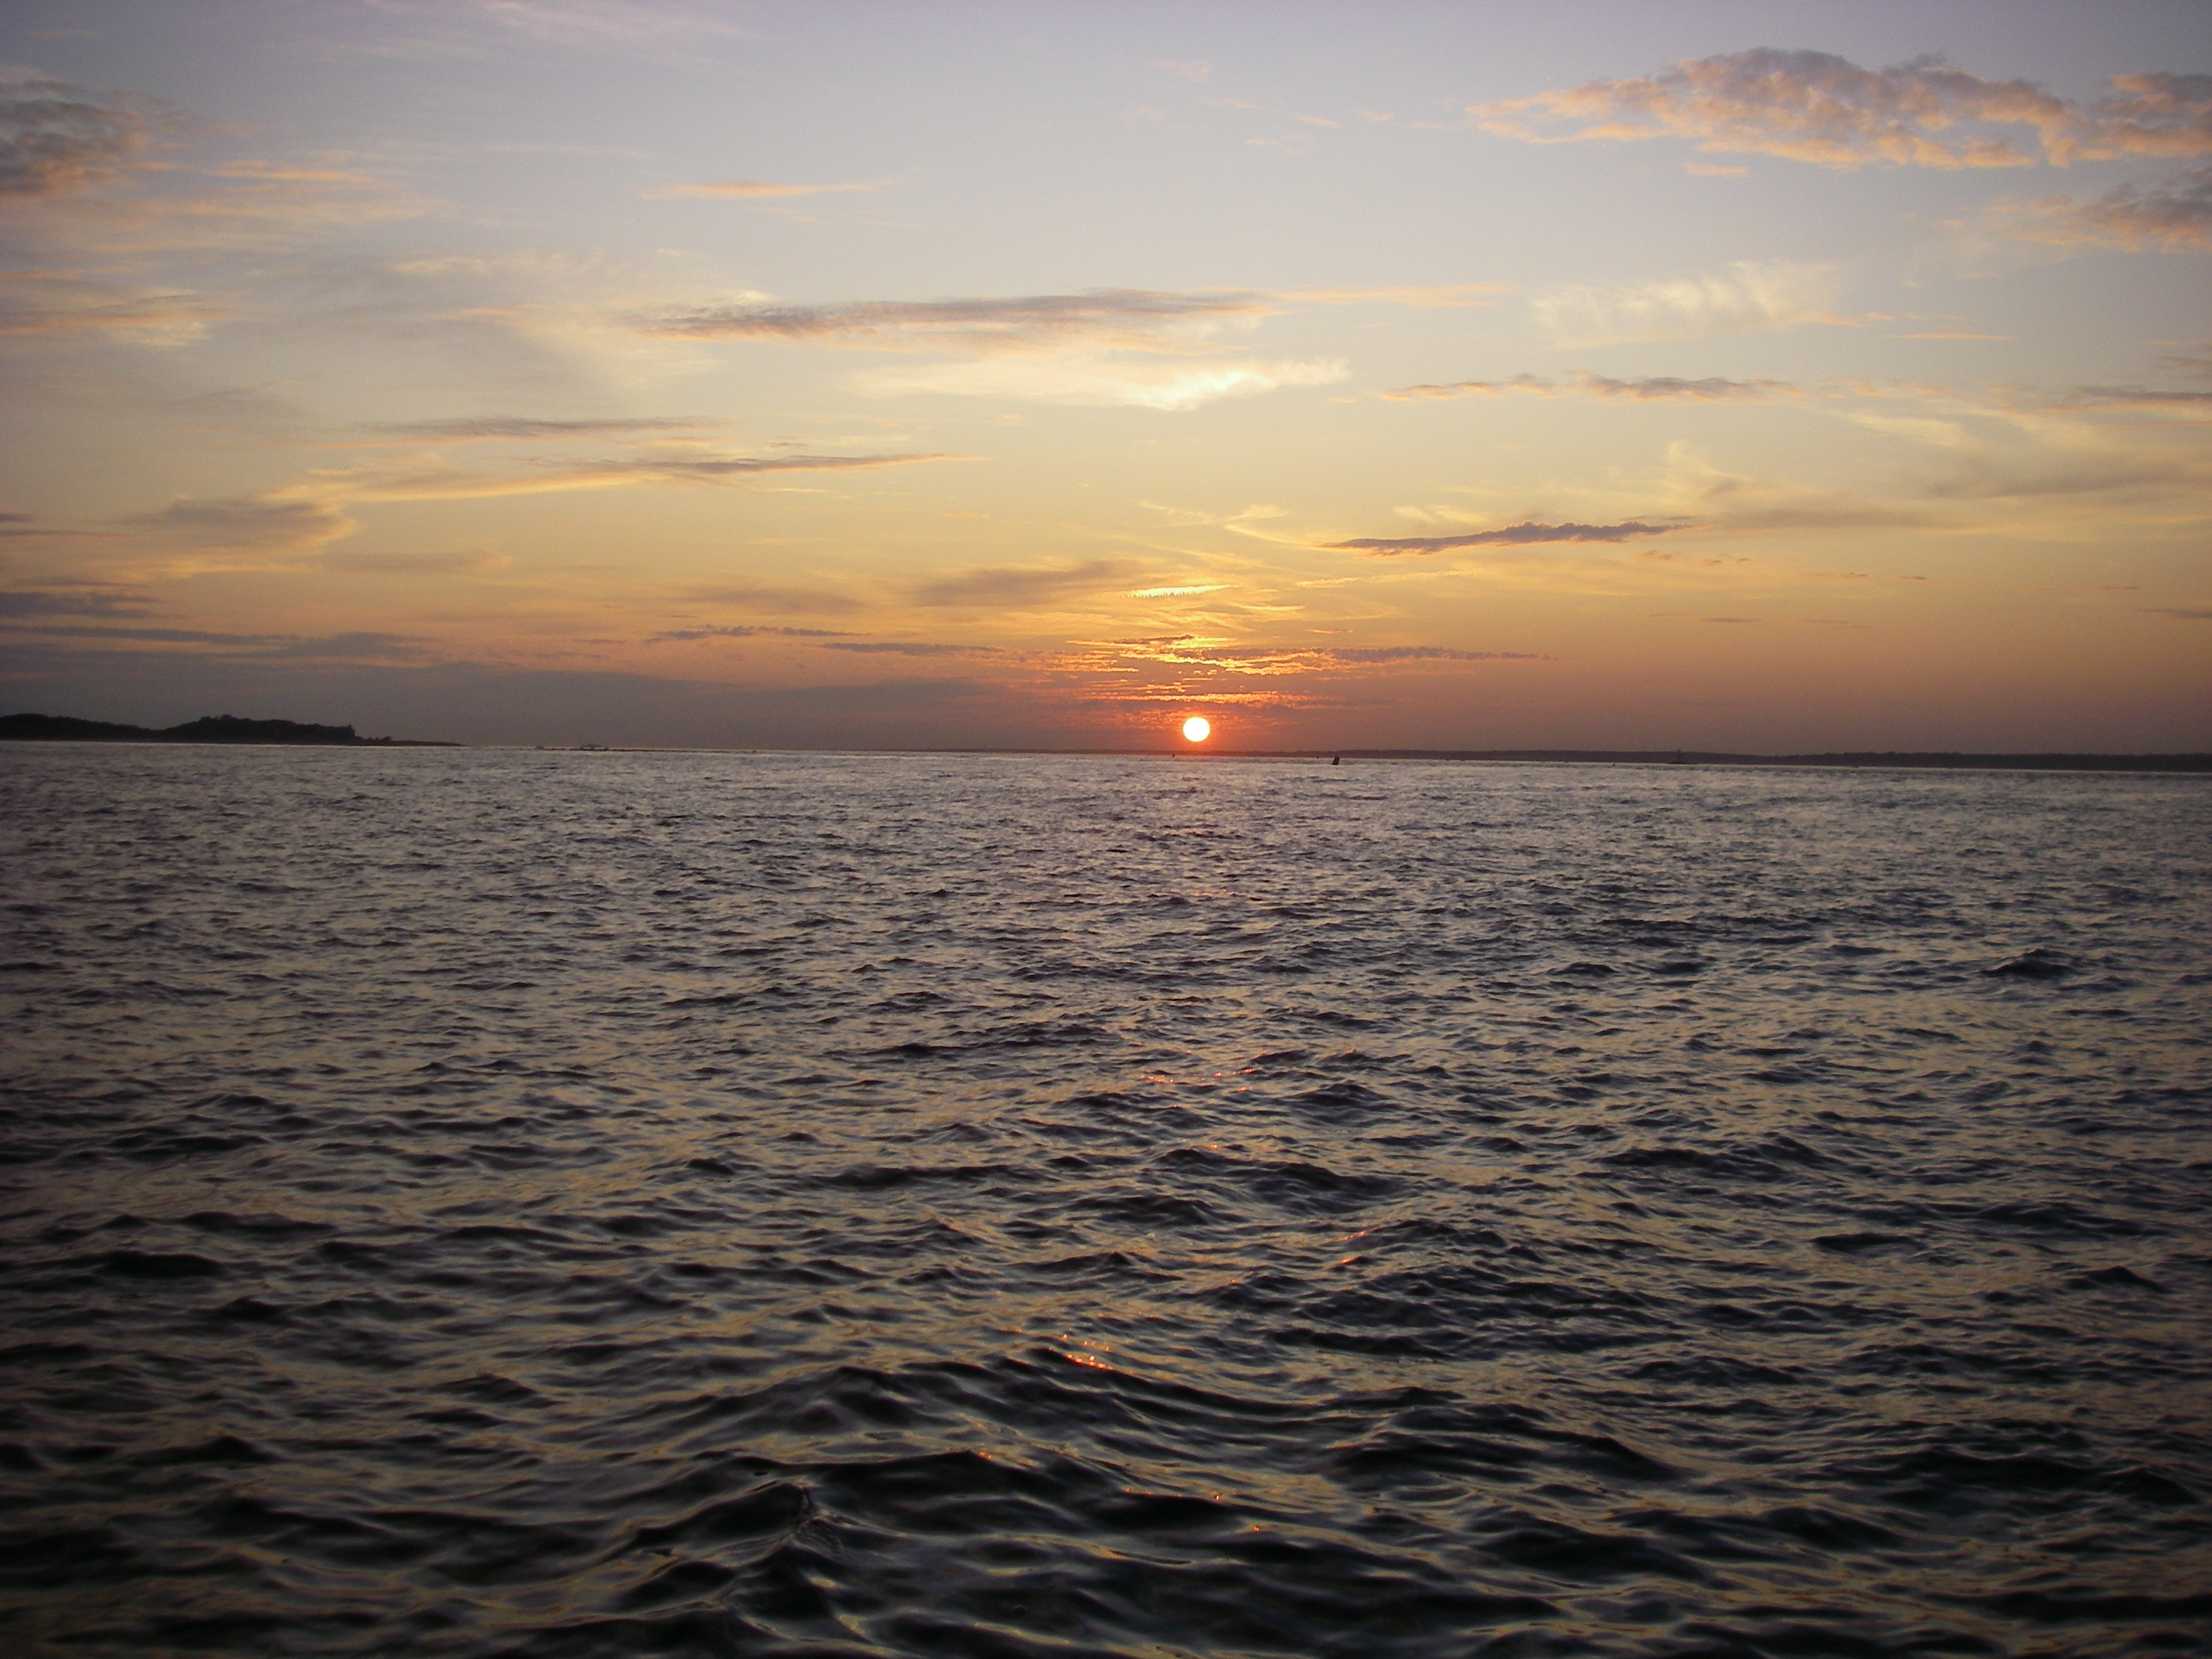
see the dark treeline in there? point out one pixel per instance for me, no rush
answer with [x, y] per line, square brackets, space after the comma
[208, 728]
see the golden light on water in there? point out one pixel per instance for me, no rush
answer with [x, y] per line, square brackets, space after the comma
[1197, 729]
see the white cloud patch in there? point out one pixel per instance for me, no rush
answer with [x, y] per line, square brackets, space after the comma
[1748, 296]
[1106, 381]
[1816, 107]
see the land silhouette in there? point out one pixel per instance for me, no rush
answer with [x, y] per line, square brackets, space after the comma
[208, 728]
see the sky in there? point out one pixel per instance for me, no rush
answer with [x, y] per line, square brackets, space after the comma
[1764, 377]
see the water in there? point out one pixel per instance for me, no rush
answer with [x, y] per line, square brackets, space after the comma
[472, 1203]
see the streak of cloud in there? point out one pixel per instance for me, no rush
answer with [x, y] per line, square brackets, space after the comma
[1127, 318]
[483, 427]
[744, 631]
[460, 562]
[1658, 388]
[359, 646]
[774, 601]
[433, 483]
[716, 469]
[267, 525]
[1020, 586]
[39, 602]
[1519, 535]
[2126, 397]
[911, 648]
[1816, 107]
[1391, 653]
[46, 303]
[1749, 295]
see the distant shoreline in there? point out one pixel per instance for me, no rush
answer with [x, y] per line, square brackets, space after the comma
[208, 728]
[232, 729]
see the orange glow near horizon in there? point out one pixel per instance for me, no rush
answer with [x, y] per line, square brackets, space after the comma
[1197, 729]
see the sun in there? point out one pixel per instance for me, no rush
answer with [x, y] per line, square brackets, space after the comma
[1197, 729]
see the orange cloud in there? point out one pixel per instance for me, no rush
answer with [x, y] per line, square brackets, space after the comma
[1816, 107]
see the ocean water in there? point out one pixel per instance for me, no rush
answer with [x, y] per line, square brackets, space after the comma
[511, 1203]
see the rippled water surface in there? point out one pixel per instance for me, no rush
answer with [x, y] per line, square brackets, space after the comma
[480, 1202]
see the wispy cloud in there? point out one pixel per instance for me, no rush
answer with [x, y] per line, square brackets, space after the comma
[435, 482]
[458, 563]
[1816, 107]
[1657, 388]
[55, 137]
[61, 303]
[1020, 586]
[1389, 654]
[911, 648]
[1102, 347]
[744, 632]
[360, 647]
[1750, 296]
[367, 647]
[265, 525]
[715, 469]
[769, 599]
[2174, 215]
[1518, 534]
[485, 428]
[39, 602]
[1124, 318]
[2129, 396]
[1282, 660]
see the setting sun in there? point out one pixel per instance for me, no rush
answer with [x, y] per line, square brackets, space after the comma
[1197, 729]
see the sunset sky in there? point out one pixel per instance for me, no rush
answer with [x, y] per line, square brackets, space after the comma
[1749, 376]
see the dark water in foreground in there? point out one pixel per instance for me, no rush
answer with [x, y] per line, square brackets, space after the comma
[469, 1203]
